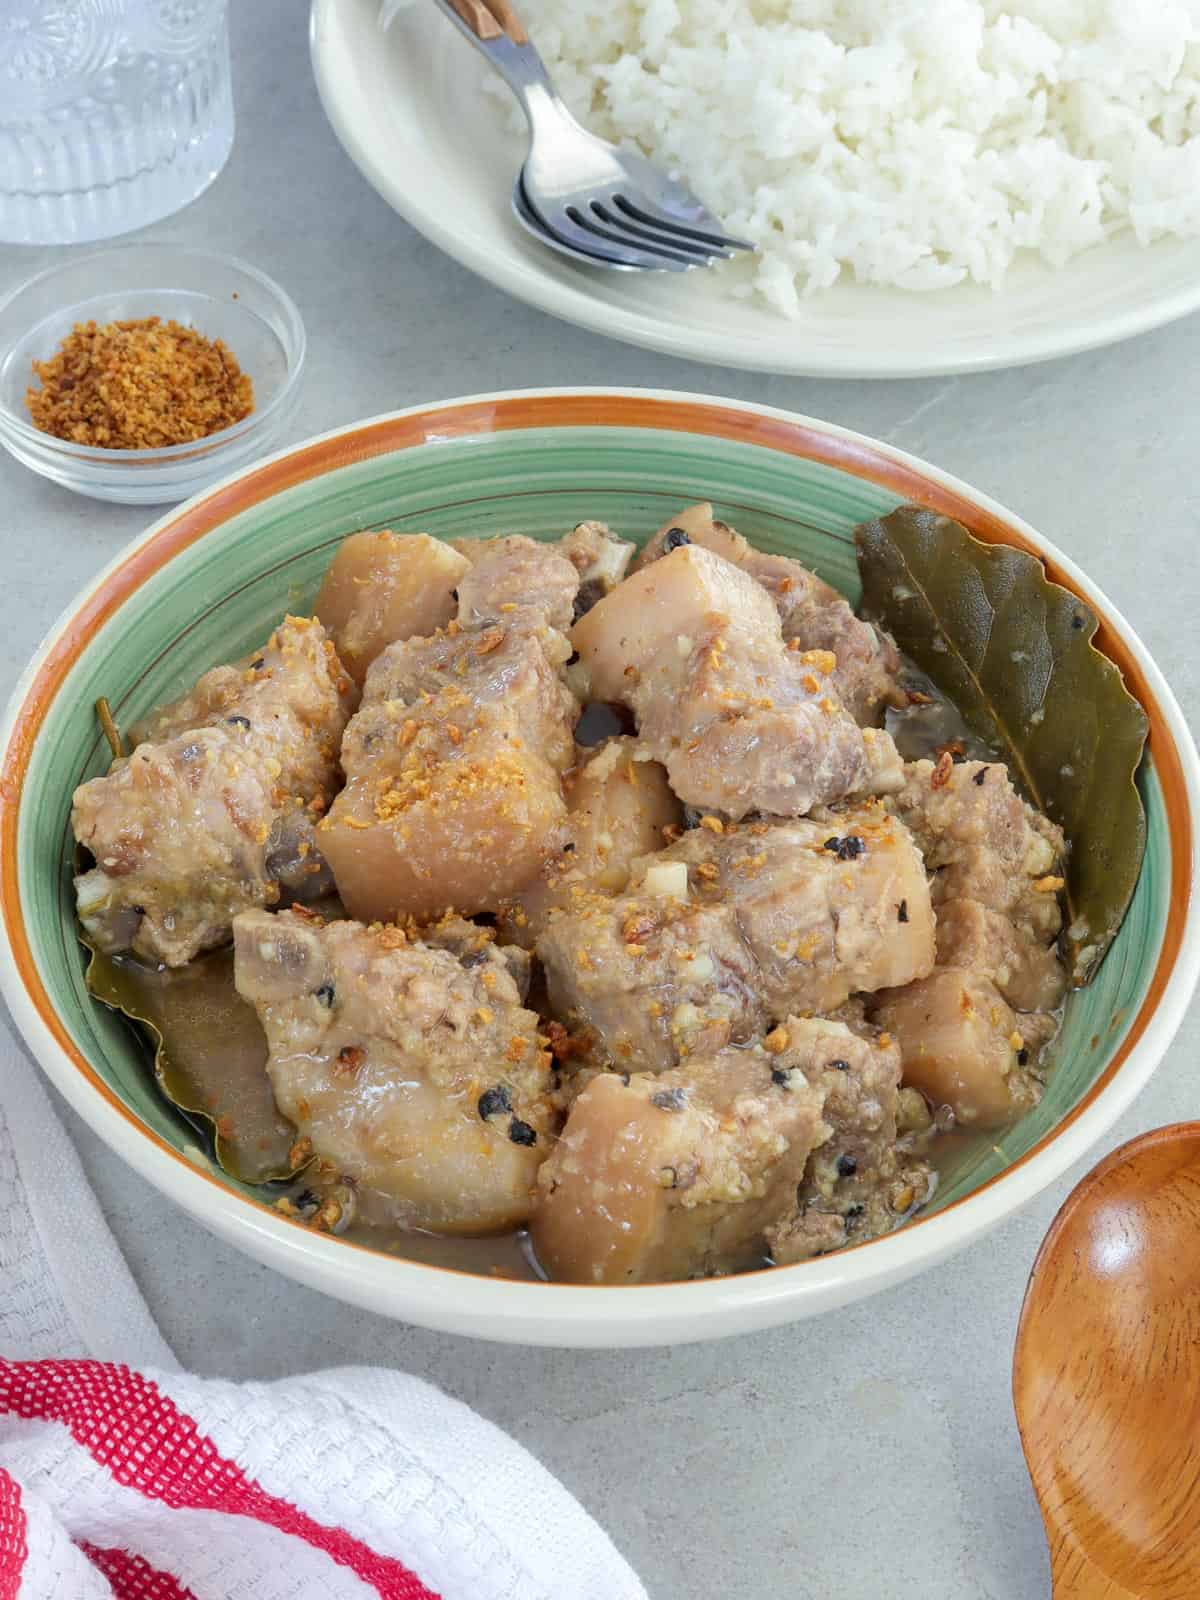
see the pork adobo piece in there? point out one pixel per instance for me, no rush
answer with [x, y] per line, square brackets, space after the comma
[742, 722]
[215, 810]
[710, 992]
[413, 1069]
[812, 616]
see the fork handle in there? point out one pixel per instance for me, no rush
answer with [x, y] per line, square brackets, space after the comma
[489, 19]
[498, 33]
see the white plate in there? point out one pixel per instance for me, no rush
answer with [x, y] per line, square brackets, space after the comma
[406, 105]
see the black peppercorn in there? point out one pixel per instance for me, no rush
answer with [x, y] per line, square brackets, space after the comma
[239, 722]
[676, 539]
[847, 849]
[325, 994]
[980, 776]
[847, 1166]
[902, 911]
[521, 1133]
[493, 1101]
[839, 1066]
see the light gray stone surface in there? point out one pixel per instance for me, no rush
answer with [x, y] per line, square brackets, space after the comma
[872, 1453]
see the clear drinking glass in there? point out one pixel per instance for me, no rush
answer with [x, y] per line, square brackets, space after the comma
[113, 113]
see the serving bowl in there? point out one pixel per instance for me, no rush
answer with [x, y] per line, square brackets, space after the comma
[223, 297]
[207, 582]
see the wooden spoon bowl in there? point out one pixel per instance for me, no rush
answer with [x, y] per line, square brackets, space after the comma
[1106, 1376]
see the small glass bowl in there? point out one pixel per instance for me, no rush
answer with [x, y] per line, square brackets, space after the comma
[220, 296]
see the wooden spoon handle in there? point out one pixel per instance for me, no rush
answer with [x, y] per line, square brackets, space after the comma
[1075, 1577]
[491, 19]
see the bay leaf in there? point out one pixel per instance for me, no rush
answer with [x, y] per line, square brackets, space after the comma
[1014, 652]
[210, 1054]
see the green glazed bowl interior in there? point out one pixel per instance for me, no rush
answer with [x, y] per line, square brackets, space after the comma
[218, 598]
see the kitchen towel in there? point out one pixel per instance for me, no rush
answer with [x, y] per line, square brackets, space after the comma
[122, 1476]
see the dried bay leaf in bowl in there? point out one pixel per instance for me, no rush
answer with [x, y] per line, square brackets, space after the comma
[1014, 652]
[210, 1054]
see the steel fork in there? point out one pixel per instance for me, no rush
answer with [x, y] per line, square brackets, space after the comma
[577, 192]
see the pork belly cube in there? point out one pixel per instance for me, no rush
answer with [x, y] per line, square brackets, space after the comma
[834, 912]
[657, 1178]
[179, 831]
[653, 616]
[444, 806]
[618, 804]
[214, 811]
[1029, 975]
[285, 706]
[812, 614]
[647, 979]
[982, 842]
[415, 1076]
[507, 665]
[452, 793]
[693, 647]
[964, 1047]
[750, 730]
[862, 1181]
[826, 909]
[385, 586]
[516, 576]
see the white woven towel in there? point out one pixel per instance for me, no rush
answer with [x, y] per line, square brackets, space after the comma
[121, 1476]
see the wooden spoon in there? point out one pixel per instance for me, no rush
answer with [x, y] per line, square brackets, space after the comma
[1106, 1376]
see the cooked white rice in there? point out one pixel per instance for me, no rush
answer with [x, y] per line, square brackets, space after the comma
[909, 142]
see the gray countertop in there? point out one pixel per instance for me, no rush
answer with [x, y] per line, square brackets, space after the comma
[871, 1453]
